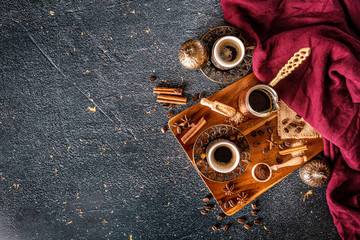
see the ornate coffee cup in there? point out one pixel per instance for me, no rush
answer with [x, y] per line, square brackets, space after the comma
[227, 52]
[223, 155]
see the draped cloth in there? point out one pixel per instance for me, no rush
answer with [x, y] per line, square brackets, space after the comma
[324, 90]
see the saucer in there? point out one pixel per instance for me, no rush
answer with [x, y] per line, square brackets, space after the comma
[215, 132]
[231, 75]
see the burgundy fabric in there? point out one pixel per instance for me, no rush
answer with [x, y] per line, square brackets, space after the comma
[324, 90]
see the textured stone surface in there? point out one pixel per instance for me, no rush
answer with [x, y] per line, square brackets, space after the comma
[82, 155]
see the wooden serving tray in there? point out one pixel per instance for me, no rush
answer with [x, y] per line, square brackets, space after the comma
[245, 182]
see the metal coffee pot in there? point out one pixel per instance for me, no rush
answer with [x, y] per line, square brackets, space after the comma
[243, 100]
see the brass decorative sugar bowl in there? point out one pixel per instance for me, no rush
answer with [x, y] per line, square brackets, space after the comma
[315, 173]
[193, 54]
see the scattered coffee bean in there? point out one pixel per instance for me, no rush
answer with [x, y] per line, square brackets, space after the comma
[166, 105]
[267, 123]
[253, 205]
[253, 133]
[270, 130]
[194, 98]
[170, 114]
[298, 130]
[201, 95]
[178, 130]
[301, 124]
[152, 78]
[226, 205]
[254, 212]
[286, 130]
[298, 116]
[175, 124]
[220, 216]
[206, 199]
[247, 226]
[163, 129]
[203, 212]
[294, 125]
[287, 143]
[214, 228]
[265, 151]
[226, 227]
[231, 203]
[257, 221]
[241, 220]
[279, 160]
[261, 132]
[285, 121]
[176, 90]
[207, 208]
[281, 146]
[256, 144]
[171, 106]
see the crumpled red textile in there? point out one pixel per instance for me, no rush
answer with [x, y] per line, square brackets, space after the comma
[324, 90]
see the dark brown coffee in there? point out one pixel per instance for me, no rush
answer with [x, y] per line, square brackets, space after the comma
[223, 154]
[229, 51]
[260, 101]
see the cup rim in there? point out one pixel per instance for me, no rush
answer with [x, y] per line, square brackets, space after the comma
[253, 172]
[224, 142]
[218, 60]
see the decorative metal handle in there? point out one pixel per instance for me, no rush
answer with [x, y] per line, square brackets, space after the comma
[293, 63]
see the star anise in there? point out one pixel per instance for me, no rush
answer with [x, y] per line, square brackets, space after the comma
[271, 142]
[242, 198]
[186, 122]
[229, 190]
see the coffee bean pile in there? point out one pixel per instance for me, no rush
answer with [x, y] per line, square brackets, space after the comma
[261, 133]
[243, 220]
[296, 126]
[207, 208]
[283, 145]
[254, 212]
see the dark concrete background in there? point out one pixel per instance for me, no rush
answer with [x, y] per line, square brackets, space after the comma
[70, 173]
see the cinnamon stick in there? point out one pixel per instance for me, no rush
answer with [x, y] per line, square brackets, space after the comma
[292, 150]
[171, 99]
[193, 130]
[170, 91]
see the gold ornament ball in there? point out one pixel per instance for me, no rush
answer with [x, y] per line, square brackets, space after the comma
[193, 54]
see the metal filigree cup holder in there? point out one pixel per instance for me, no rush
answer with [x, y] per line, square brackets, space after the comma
[232, 75]
[215, 132]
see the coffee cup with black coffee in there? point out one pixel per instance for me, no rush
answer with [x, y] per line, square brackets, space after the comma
[227, 52]
[223, 155]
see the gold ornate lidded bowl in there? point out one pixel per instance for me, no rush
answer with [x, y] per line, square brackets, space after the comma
[315, 173]
[232, 75]
[193, 54]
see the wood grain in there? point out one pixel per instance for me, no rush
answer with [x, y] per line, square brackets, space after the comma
[245, 182]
